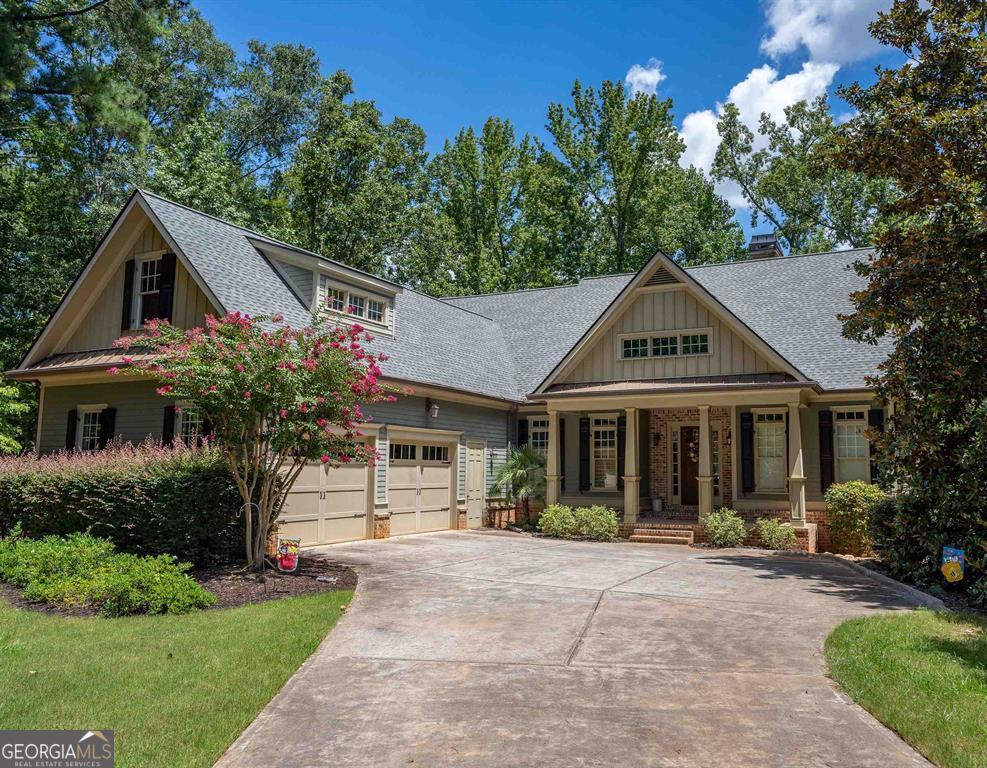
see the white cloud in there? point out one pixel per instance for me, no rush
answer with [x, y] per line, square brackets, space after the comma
[761, 91]
[831, 30]
[645, 79]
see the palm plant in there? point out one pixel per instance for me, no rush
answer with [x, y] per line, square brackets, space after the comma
[522, 477]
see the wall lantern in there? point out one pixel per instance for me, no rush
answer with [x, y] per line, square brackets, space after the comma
[728, 438]
[432, 407]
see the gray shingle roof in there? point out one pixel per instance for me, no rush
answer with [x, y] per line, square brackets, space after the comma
[505, 344]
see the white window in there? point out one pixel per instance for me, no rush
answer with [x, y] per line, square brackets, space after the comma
[635, 348]
[538, 435]
[358, 305]
[404, 451]
[852, 445]
[148, 275]
[715, 455]
[695, 344]
[188, 424]
[603, 458]
[664, 346]
[88, 428]
[675, 463]
[435, 453]
[770, 451]
[335, 299]
[375, 311]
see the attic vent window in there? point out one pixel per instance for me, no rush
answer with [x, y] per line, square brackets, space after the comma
[347, 302]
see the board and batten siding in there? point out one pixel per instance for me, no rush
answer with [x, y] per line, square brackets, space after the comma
[475, 422]
[140, 410]
[101, 325]
[655, 312]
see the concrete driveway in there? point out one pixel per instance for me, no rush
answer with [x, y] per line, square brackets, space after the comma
[492, 649]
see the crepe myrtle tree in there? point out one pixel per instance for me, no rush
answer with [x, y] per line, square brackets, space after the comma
[274, 397]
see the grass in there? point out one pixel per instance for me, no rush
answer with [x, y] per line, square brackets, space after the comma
[177, 690]
[922, 674]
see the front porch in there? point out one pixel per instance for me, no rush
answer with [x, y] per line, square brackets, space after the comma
[667, 466]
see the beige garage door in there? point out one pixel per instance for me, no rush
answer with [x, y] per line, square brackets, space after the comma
[327, 505]
[418, 487]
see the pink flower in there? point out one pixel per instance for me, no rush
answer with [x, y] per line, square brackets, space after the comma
[164, 390]
[283, 414]
[126, 359]
[113, 370]
[247, 394]
[240, 368]
[321, 422]
[212, 388]
[303, 407]
[277, 318]
[325, 458]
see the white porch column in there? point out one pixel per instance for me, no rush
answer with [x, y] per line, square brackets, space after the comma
[705, 464]
[552, 477]
[632, 473]
[796, 472]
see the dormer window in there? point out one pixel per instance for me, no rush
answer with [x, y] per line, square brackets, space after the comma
[341, 299]
[691, 342]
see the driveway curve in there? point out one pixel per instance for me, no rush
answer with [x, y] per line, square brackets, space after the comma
[486, 648]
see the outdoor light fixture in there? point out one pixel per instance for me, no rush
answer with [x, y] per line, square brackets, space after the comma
[432, 407]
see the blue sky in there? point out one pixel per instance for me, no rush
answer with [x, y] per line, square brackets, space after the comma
[447, 65]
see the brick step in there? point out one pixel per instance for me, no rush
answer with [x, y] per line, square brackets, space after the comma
[665, 525]
[662, 537]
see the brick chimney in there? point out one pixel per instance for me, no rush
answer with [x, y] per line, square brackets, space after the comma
[764, 247]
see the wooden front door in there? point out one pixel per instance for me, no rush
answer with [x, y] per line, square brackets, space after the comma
[689, 437]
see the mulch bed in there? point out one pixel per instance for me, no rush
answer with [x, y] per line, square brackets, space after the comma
[232, 585]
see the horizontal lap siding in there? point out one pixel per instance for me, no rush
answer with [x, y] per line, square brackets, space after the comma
[667, 311]
[140, 411]
[475, 422]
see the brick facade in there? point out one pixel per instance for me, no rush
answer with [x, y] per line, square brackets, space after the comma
[382, 526]
[662, 422]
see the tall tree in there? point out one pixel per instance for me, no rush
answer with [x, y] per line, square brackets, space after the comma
[924, 125]
[622, 154]
[351, 190]
[791, 183]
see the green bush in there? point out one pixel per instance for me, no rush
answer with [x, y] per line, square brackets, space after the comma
[83, 570]
[725, 528]
[849, 506]
[775, 534]
[558, 520]
[147, 500]
[597, 522]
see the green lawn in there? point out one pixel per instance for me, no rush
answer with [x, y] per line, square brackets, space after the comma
[177, 690]
[922, 674]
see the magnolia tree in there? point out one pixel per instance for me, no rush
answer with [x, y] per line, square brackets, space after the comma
[274, 397]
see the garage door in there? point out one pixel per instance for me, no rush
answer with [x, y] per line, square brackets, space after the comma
[419, 487]
[327, 504]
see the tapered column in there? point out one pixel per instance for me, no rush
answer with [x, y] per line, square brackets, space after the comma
[796, 471]
[552, 477]
[705, 463]
[632, 472]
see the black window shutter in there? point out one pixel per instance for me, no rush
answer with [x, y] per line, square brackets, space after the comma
[168, 427]
[70, 427]
[827, 469]
[166, 297]
[747, 452]
[107, 425]
[562, 451]
[875, 419]
[621, 445]
[522, 431]
[584, 483]
[127, 314]
[207, 429]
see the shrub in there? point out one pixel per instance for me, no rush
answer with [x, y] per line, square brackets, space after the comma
[849, 506]
[558, 520]
[725, 528]
[145, 499]
[597, 522]
[82, 570]
[774, 534]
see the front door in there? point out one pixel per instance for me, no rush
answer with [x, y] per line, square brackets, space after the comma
[475, 485]
[689, 437]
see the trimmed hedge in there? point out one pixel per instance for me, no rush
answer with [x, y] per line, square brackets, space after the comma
[725, 528]
[776, 534]
[850, 506]
[147, 500]
[597, 522]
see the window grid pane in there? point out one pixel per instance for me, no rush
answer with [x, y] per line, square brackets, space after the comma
[358, 305]
[150, 276]
[715, 445]
[403, 451]
[675, 462]
[375, 311]
[635, 348]
[89, 440]
[190, 425]
[695, 344]
[435, 453]
[771, 453]
[664, 346]
[335, 299]
[605, 458]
